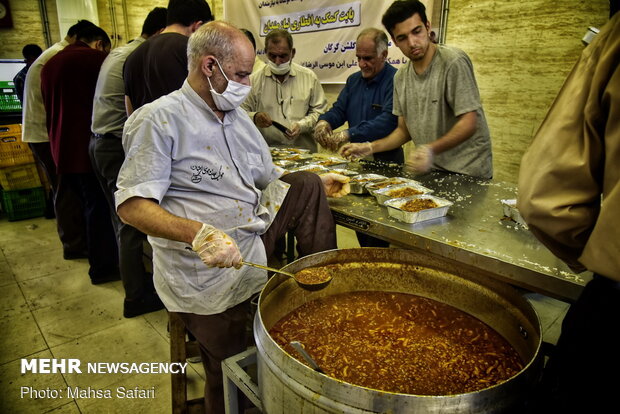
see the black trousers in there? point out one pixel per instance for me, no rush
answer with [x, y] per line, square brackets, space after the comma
[67, 203]
[581, 373]
[107, 156]
[101, 242]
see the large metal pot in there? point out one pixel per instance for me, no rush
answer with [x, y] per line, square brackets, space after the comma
[288, 386]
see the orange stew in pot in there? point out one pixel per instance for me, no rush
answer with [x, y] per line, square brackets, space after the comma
[399, 342]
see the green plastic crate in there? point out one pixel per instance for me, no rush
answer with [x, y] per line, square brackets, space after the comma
[9, 102]
[23, 204]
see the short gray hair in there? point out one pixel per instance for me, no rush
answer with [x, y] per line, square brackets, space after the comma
[378, 36]
[213, 38]
[276, 35]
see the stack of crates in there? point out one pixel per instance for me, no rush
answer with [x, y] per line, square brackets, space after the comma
[22, 194]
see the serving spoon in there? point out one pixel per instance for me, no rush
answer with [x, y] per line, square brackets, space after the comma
[299, 348]
[306, 284]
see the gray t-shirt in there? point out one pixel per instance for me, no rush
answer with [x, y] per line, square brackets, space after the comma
[431, 103]
[109, 113]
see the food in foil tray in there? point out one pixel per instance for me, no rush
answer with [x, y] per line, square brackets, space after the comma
[417, 208]
[418, 204]
[398, 191]
[358, 182]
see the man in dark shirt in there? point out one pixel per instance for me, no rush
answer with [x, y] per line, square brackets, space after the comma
[366, 104]
[30, 52]
[159, 65]
[366, 100]
[68, 85]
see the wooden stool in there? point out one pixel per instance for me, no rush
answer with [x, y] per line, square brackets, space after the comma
[180, 350]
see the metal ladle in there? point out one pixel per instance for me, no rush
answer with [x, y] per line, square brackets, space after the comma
[299, 348]
[307, 286]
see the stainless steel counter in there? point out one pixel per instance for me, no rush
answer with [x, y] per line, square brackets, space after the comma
[475, 232]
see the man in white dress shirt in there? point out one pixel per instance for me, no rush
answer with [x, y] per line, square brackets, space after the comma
[199, 180]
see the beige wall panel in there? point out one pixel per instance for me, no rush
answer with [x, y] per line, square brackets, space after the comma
[522, 52]
[26, 29]
[137, 10]
[217, 8]
[52, 19]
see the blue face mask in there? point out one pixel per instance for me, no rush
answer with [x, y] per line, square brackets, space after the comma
[232, 97]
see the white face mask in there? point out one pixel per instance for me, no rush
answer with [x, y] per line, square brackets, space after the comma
[232, 97]
[281, 69]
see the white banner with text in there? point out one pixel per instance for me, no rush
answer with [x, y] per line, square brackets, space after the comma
[324, 31]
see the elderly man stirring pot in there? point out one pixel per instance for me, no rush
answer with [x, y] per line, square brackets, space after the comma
[197, 173]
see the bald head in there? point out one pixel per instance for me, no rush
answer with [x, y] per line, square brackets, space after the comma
[220, 39]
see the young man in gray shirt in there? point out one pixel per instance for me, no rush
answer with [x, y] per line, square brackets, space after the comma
[436, 100]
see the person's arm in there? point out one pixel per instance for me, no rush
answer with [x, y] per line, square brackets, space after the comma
[459, 133]
[323, 130]
[395, 139]
[128, 106]
[214, 247]
[422, 157]
[148, 217]
[18, 81]
[570, 163]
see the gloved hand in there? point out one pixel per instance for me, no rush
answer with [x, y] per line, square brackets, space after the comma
[335, 140]
[262, 120]
[322, 131]
[420, 160]
[293, 131]
[216, 248]
[336, 185]
[354, 151]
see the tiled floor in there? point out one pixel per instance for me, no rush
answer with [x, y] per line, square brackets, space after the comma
[49, 309]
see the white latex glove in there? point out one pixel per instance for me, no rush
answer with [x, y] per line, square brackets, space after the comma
[216, 248]
[353, 151]
[322, 131]
[293, 131]
[336, 185]
[334, 140]
[420, 160]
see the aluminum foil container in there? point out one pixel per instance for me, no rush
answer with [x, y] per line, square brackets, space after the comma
[284, 163]
[317, 169]
[331, 162]
[279, 151]
[358, 182]
[296, 157]
[384, 194]
[373, 187]
[343, 171]
[394, 206]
